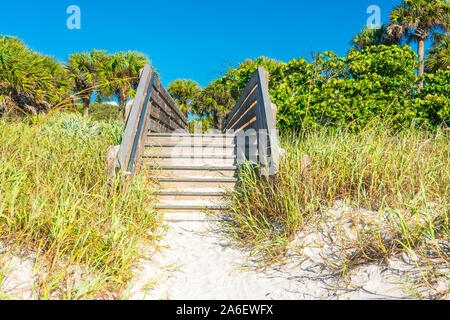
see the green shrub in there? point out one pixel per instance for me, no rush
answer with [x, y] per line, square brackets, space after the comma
[56, 200]
[402, 177]
[207, 123]
[30, 82]
[377, 84]
[104, 111]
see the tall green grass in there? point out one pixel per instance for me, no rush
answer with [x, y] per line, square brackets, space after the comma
[402, 177]
[56, 201]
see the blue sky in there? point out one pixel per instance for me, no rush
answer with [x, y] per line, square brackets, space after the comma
[195, 39]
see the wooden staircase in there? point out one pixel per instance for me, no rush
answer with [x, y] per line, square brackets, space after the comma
[194, 172]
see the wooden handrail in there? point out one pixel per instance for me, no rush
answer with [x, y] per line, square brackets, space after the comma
[153, 110]
[253, 119]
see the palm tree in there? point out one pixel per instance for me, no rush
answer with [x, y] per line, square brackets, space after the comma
[84, 69]
[373, 37]
[184, 91]
[216, 99]
[120, 77]
[417, 20]
[438, 57]
[29, 82]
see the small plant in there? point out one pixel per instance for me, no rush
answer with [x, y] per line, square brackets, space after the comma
[56, 203]
[104, 111]
[395, 185]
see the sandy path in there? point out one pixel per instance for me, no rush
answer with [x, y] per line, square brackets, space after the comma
[199, 263]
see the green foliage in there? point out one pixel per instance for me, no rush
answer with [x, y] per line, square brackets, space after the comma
[373, 37]
[206, 123]
[402, 177]
[56, 200]
[433, 101]
[375, 84]
[236, 78]
[75, 126]
[184, 92]
[119, 76]
[29, 82]
[104, 111]
[438, 57]
[215, 100]
[418, 20]
[84, 71]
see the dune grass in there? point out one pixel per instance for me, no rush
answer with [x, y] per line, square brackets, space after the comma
[401, 178]
[55, 201]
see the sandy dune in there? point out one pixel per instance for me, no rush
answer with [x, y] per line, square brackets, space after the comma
[199, 263]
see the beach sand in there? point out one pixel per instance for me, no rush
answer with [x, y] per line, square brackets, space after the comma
[198, 262]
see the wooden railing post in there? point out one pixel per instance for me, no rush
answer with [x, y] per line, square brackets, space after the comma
[255, 113]
[131, 127]
[266, 124]
[153, 110]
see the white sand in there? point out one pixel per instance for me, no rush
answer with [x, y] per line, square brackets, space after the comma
[199, 263]
[17, 275]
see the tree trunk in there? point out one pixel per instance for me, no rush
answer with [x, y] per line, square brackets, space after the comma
[219, 121]
[86, 102]
[420, 52]
[122, 105]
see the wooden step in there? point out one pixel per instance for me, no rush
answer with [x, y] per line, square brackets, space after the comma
[189, 149]
[190, 145]
[190, 139]
[195, 172]
[190, 206]
[187, 134]
[197, 216]
[206, 160]
[191, 194]
[180, 183]
[189, 171]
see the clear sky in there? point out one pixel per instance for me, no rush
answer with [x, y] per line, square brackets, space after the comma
[195, 39]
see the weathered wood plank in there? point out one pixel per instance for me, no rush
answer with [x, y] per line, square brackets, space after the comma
[245, 108]
[266, 120]
[162, 115]
[248, 101]
[170, 102]
[131, 126]
[247, 116]
[250, 86]
[169, 110]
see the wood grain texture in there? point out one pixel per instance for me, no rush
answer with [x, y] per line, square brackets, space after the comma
[129, 134]
[162, 115]
[247, 90]
[254, 111]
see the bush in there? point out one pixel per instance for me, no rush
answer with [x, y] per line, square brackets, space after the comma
[206, 122]
[30, 82]
[376, 84]
[401, 178]
[56, 200]
[104, 111]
